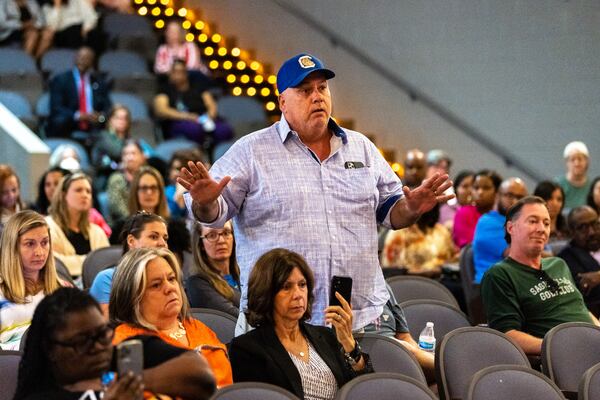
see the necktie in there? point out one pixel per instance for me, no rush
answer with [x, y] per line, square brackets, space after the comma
[83, 125]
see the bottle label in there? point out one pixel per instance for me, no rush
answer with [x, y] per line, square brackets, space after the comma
[427, 345]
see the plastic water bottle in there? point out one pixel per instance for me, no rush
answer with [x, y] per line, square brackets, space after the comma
[207, 123]
[427, 338]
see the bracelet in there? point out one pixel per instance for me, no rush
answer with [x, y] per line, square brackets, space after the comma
[353, 357]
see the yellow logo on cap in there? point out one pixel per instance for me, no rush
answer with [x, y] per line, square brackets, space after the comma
[306, 62]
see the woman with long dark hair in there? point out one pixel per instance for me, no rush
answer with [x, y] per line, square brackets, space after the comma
[215, 277]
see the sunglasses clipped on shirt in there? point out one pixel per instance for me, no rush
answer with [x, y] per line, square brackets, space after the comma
[551, 284]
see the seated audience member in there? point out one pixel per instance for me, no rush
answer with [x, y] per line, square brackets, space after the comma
[415, 168]
[46, 187]
[20, 24]
[141, 229]
[526, 295]
[438, 161]
[593, 197]
[485, 187]
[215, 277]
[309, 361]
[10, 194]
[173, 190]
[554, 197]
[27, 274]
[177, 48]
[106, 153]
[73, 235]
[121, 6]
[188, 109]
[147, 298]
[582, 255]
[575, 183]
[68, 353]
[79, 100]
[147, 193]
[119, 182]
[463, 188]
[489, 246]
[69, 23]
[423, 248]
[67, 157]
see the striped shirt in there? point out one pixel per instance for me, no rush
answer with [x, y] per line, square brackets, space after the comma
[318, 382]
[281, 195]
[15, 319]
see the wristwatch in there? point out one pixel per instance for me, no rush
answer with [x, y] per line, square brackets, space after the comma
[353, 357]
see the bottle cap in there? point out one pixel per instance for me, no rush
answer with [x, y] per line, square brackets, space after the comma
[429, 324]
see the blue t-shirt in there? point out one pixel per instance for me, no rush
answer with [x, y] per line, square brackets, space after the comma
[100, 289]
[488, 242]
[174, 208]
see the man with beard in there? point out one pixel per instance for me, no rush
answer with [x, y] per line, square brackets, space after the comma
[580, 254]
[489, 245]
[526, 295]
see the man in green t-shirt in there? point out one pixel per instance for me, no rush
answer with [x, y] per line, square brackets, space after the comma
[526, 295]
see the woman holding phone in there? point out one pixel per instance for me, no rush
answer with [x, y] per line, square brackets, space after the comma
[309, 361]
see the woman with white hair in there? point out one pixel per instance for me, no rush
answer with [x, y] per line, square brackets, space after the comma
[575, 183]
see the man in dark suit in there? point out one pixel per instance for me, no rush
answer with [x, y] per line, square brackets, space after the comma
[579, 253]
[79, 100]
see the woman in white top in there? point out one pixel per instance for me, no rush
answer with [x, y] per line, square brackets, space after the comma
[27, 274]
[73, 236]
[68, 23]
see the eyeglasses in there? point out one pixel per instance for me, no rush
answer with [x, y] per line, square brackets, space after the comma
[214, 236]
[551, 284]
[149, 188]
[586, 226]
[82, 344]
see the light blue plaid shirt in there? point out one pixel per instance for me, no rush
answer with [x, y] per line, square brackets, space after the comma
[281, 195]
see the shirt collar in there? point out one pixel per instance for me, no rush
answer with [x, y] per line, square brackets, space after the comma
[283, 129]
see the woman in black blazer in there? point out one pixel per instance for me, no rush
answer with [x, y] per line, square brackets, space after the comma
[309, 361]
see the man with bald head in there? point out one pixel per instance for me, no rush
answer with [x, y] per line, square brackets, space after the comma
[415, 168]
[489, 245]
[310, 186]
[581, 254]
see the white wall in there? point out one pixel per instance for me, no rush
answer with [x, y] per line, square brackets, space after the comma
[23, 151]
[524, 73]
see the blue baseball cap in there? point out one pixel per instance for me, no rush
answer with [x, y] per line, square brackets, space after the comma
[295, 69]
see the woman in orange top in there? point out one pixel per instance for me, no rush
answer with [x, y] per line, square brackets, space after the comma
[147, 297]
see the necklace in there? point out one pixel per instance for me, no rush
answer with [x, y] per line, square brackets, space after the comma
[179, 333]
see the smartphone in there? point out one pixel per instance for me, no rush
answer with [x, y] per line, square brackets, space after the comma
[342, 285]
[130, 357]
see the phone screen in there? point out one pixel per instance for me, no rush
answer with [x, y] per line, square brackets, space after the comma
[342, 285]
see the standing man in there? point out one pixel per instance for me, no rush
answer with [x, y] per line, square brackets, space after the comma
[308, 185]
[526, 295]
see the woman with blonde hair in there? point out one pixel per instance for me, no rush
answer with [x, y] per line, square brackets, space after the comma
[147, 298]
[27, 274]
[215, 277]
[73, 236]
[148, 193]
